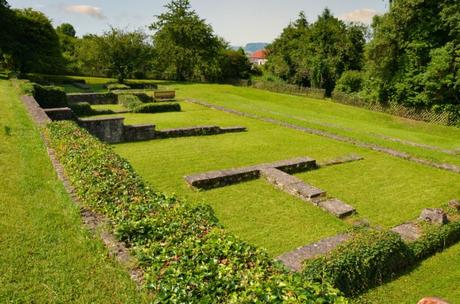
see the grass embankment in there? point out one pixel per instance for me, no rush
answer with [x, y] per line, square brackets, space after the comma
[46, 255]
[438, 276]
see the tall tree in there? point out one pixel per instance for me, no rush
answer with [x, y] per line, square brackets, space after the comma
[36, 45]
[186, 47]
[317, 54]
[413, 57]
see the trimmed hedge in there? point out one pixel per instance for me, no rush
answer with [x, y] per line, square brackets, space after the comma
[157, 108]
[49, 96]
[184, 253]
[367, 260]
[373, 257]
[129, 101]
[82, 108]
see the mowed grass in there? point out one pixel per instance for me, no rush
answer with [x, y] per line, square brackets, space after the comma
[46, 256]
[385, 190]
[326, 115]
[438, 276]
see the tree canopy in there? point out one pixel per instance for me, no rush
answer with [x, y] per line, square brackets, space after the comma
[186, 47]
[317, 54]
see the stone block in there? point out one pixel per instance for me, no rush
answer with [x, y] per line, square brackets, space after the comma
[294, 259]
[110, 130]
[409, 232]
[138, 132]
[434, 216]
[337, 208]
[233, 129]
[56, 114]
[455, 204]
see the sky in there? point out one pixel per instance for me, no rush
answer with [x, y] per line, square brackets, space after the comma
[237, 21]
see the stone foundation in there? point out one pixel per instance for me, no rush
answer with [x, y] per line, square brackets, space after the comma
[93, 98]
[60, 114]
[110, 130]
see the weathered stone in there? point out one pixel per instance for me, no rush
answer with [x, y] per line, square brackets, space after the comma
[233, 129]
[221, 178]
[56, 114]
[434, 216]
[110, 130]
[337, 208]
[191, 131]
[164, 95]
[35, 110]
[341, 160]
[138, 132]
[294, 259]
[432, 300]
[455, 204]
[409, 232]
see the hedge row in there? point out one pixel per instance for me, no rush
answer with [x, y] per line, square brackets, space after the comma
[85, 109]
[157, 108]
[46, 96]
[373, 257]
[129, 101]
[186, 256]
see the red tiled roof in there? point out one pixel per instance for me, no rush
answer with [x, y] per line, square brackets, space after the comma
[261, 54]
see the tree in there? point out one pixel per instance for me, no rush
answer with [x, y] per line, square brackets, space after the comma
[317, 54]
[413, 57]
[235, 65]
[186, 48]
[36, 45]
[66, 29]
[116, 53]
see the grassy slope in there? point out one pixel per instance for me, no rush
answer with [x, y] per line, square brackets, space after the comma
[46, 255]
[438, 276]
[326, 115]
[378, 186]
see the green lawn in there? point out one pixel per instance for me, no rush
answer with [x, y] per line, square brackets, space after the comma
[325, 115]
[46, 254]
[385, 190]
[439, 276]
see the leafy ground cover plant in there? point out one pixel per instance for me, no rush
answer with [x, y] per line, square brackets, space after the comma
[186, 256]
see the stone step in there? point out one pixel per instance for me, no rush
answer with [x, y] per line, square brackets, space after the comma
[294, 259]
[291, 184]
[233, 129]
[337, 207]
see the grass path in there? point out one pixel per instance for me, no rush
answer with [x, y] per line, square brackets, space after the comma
[46, 255]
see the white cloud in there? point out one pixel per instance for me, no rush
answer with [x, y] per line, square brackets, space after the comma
[88, 10]
[364, 15]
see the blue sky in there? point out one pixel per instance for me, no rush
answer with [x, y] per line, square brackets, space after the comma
[237, 21]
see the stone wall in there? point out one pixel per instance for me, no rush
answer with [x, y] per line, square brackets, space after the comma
[138, 132]
[110, 130]
[60, 114]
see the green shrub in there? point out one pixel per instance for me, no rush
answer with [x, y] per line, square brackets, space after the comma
[82, 108]
[27, 87]
[50, 96]
[367, 260]
[129, 101]
[350, 82]
[117, 86]
[184, 254]
[157, 108]
[435, 240]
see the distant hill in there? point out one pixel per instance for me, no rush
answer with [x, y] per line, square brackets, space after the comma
[255, 46]
[251, 47]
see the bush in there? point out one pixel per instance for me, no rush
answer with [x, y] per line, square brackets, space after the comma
[82, 109]
[117, 86]
[50, 96]
[184, 254]
[367, 260]
[350, 82]
[157, 108]
[129, 101]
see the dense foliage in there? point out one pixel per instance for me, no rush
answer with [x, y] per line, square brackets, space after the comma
[315, 55]
[414, 57]
[372, 257]
[29, 42]
[155, 107]
[185, 255]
